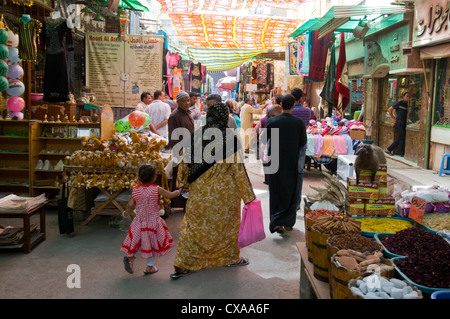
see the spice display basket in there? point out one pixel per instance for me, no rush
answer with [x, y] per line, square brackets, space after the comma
[386, 252]
[372, 234]
[424, 289]
[341, 276]
[352, 283]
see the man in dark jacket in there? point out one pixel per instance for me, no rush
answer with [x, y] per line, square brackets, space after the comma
[401, 110]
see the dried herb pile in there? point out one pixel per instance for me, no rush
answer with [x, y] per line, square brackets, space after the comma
[428, 256]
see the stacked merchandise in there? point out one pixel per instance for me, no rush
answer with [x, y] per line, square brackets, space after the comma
[367, 198]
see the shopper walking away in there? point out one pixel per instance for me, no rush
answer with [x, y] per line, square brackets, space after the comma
[148, 232]
[401, 110]
[283, 183]
[306, 115]
[209, 232]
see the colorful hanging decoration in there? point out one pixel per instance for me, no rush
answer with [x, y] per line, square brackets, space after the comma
[245, 33]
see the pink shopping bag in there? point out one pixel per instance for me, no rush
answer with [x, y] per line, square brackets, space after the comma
[252, 226]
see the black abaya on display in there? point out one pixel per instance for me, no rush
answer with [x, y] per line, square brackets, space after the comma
[58, 39]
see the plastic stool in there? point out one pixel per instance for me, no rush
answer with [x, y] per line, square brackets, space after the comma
[445, 157]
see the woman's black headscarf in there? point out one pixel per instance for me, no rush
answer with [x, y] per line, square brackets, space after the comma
[216, 117]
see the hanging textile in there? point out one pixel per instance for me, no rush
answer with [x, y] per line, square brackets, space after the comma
[342, 92]
[195, 77]
[304, 71]
[58, 40]
[172, 61]
[329, 86]
[221, 59]
[27, 32]
[300, 49]
[318, 57]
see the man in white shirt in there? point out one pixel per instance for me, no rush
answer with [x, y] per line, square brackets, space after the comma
[146, 99]
[159, 113]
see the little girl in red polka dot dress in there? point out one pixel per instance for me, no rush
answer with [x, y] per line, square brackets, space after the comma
[148, 232]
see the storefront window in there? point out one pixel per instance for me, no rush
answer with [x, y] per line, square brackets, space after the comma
[357, 88]
[394, 87]
[442, 112]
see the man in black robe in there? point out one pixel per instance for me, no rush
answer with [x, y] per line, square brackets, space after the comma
[285, 149]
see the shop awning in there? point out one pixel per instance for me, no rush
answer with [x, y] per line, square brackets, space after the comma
[439, 51]
[345, 18]
[221, 59]
[134, 5]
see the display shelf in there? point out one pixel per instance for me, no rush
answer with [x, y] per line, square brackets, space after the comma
[15, 155]
[53, 141]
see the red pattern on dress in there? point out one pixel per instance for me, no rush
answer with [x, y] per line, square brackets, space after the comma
[148, 232]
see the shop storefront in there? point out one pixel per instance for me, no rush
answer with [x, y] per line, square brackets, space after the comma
[391, 69]
[432, 39]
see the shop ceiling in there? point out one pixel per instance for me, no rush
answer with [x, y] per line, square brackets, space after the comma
[346, 19]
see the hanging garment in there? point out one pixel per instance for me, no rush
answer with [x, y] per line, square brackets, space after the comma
[27, 37]
[177, 80]
[58, 40]
[195, 76]
[172, 60]
[318, 57]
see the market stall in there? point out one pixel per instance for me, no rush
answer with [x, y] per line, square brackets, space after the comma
[331, 137]
[111, 163]
[362, 233]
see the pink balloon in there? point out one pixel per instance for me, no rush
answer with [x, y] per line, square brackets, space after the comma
[18, 115]
[15, 104]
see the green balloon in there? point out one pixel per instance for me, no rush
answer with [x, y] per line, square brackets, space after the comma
[3, 67]
[3, 36]
[118, 126]
[3, 83]
[147, 121]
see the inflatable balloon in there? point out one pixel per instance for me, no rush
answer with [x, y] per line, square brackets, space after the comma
[136, 118]
[3, 67]
[13, 39]
[15, 104]
[122, 126]
[15, 72]
[18, 115]
[3, 83]
[13, 56]
[15, 88]
[3, 36]
[3, 51]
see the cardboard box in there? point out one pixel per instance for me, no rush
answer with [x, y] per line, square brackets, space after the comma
[380, 207]
[364, 190]
[358, 135]
[381, 174]
[354, 206]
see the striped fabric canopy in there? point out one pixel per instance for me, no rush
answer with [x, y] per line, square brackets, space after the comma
[230, 24]
[221, 59]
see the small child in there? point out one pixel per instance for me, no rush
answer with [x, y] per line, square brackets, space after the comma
[148, 231]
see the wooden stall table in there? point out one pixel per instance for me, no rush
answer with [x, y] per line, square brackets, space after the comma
[110, 196]
[28, 241]
[310, 287]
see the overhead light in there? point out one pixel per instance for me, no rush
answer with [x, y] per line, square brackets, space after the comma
[98, 17]
[86, 10]
[360, 30]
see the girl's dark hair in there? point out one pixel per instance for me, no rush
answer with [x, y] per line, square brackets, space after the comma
[147, 174]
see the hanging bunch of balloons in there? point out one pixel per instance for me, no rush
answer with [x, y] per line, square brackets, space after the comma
[11, 73]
